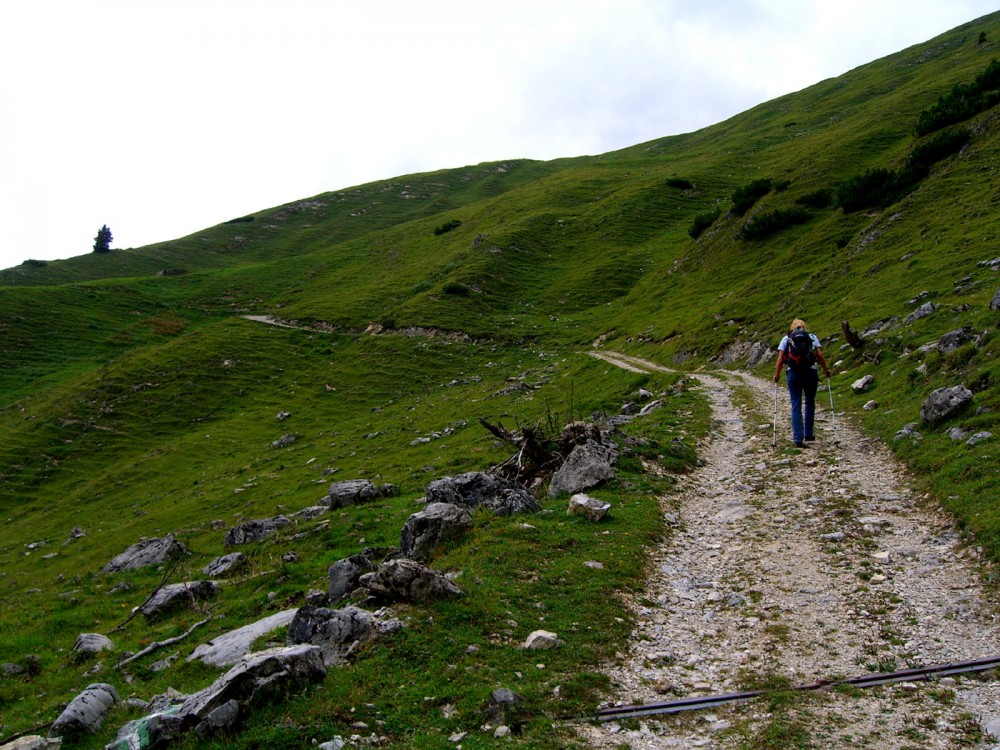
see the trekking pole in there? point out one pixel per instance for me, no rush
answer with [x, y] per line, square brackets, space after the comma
[833, 413]
[774, 430]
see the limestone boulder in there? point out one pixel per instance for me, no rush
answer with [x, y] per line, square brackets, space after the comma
[336, 631]
[254, 531]
[86, 712]
[355, 492]
[92, 643]
[586, 467]
[229, 648]
[146, 552]
[175, 595]
[476, 488]
[590, 507]
[408, 581]
[944, 403]
[226, 564]
[431, 527]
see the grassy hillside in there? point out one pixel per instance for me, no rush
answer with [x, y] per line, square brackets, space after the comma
[135, 403]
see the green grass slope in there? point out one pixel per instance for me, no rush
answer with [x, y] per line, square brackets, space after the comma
[134, 403]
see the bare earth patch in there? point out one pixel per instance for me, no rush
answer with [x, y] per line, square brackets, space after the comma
[795, 567]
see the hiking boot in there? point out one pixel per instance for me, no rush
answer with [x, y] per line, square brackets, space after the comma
[810, 438]
[800, 445]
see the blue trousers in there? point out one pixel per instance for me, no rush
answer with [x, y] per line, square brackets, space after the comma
[802, 384]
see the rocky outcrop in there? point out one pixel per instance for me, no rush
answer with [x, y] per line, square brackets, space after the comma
[355, 492]
[431, 527]
[92, 643]
[995, 302]
[228, 648]
[944, 403]
[590, 507]
[408, 581]
[86, 712]
[588, 466]
[219, 706]
[176, 594]
[225, 564]
[954, 339]
[336, 631]
[254, 531]
[146, 552]
[476, 488]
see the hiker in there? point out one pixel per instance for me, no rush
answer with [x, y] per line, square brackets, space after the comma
[800, 351]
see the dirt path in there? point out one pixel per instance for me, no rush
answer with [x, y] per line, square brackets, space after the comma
[802, 566]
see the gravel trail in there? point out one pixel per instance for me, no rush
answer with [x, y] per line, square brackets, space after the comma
[799, 566]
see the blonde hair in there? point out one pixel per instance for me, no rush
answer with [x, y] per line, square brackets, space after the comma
[798, 323]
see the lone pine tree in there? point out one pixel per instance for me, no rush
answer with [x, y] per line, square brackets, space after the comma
[102, 242]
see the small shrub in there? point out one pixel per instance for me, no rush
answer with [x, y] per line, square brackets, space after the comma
[421, 286]
[680, 183]
[447, 227]
[821, 198]
[241, 220]
[701, 222]
[34, 263]
[843, 242]
[767, 223]
[782, 185]
[939, 147]
[745, 197]
[962, 102]
[460, 290]
[872, 189]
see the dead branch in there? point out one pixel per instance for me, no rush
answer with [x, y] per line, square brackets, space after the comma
[850, 336]
[170, 569]
[161, 644]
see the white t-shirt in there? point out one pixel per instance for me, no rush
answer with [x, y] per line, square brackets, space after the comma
[783, 346]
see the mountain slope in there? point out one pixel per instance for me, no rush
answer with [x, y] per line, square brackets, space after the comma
[134, 404]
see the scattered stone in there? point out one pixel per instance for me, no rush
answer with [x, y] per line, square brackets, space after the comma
[476, 488]
[591, 507]
[542, 639]
[337, 743]
[944, 403]
[594, 565]
[501, 731]
[175, 594]
[978, 438]
[863, 384]
[431, 527]
[86, 711]
[836, 536]
[355, 492]
[254, 531]
[92, 643]
[870, 406]
[586, 467]
[226, 564]
[954, 339]
[409, 581]
[923, 311]
[218, 720]
[284, 441]
[283, 415]
[344, 575]
[995, 302]
[957, 434]
[146, 552]
[228, 648]
[909, 431]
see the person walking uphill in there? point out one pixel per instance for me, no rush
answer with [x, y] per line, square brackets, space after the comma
[800, 351]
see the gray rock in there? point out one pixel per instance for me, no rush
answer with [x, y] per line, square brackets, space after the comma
[979, 437]
[336, 631]
[957, 433]
[908, 432]
[228, 648]
[995, 302]
[355, 492]
[862, 384]
[591, 507]
[944, 403]
[175, 594]
[870, 405]
[92, 643]
[284, 441]
[477, 488]
[221, 566]
[33, 742]
[954, 339]
[629, 408]
[86, 711]
[254, 531]
[409, 581]
[337, 743]
[431, 527]
[586, 467]
[345, 574]
[255, 679]
[650, 407]
[541, 640]
[311, 512]
[146, 552]
[218, 720]
[993, 728]
[923, 311]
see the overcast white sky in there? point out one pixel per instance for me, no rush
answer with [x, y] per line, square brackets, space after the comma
[162, 117]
